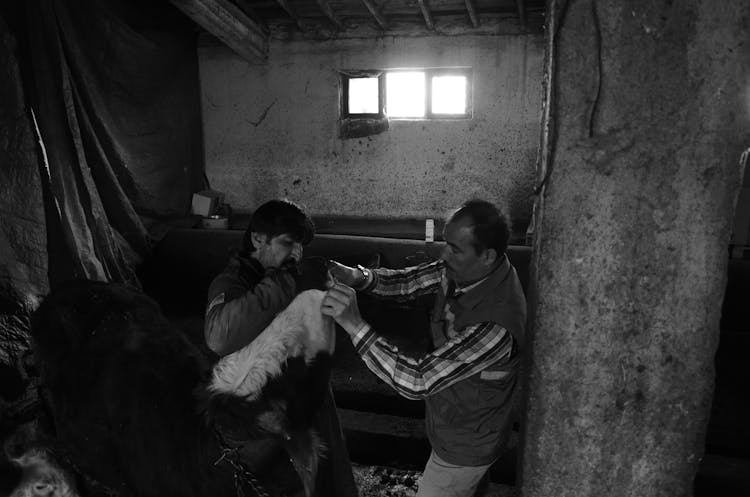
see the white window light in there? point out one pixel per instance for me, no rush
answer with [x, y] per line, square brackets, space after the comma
[363, 96]
[449, 95]
[432, 93]
[405, 94]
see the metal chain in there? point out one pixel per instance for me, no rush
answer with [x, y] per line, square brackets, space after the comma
[241, 474]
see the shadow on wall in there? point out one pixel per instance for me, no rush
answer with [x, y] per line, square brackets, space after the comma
[520, 201]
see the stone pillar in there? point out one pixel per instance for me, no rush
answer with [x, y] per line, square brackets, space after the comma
[649, 105]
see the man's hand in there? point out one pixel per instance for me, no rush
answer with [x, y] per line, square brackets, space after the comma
[296, 253]
[340, 302]
[295, 257]
[349, 276]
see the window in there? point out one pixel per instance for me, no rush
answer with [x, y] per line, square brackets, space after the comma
[433, 93]
[449, 94]
[405, 94]
[363, 96]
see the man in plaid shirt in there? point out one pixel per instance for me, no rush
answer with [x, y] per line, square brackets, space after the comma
[469, 378]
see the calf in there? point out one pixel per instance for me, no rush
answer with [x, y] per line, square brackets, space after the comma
[139, 409]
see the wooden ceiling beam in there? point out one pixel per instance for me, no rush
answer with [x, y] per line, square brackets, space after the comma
[375, 11]
[228, 23]
[328, 11]
[246, 7]
[427, 14]
[292, 13]
[471, 8]
[521, 12]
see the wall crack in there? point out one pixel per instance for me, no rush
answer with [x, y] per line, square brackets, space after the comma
[262, 114]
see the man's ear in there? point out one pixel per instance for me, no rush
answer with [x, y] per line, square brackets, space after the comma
[490, 256]
[258, 238]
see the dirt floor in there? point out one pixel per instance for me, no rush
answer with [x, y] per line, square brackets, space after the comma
[380, 481]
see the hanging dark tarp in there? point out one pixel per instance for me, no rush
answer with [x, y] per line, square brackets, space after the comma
[114, 88]
[23, 255]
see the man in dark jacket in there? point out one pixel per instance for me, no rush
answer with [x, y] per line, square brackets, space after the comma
[254, 287]
[470, 377]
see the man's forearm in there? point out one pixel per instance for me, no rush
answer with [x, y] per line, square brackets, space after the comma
[352, 326]
[407, 283]
[476, 348]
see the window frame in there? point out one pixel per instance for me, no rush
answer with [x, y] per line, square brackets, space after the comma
[429, 72]
[450, 71]
[380, 75]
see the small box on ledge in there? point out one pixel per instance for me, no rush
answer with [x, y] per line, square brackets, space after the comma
[205, 202]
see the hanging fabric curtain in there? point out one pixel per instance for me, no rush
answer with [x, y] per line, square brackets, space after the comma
[114, 89]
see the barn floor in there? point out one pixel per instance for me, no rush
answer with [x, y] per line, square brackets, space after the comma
[379, 481]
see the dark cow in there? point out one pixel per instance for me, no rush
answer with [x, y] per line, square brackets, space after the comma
[139, 409]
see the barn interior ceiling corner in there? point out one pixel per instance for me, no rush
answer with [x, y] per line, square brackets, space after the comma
[246, 26]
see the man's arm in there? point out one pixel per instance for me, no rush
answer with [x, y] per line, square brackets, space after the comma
[399, 284]
[472, 350]
[236, 313]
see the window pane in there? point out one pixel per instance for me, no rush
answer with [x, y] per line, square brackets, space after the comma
[449, 95]
[404, 94]
[363, 96]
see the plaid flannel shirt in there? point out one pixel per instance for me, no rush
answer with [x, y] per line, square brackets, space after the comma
[471, 350]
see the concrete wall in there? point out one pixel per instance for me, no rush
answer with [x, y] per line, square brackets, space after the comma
[272, 130]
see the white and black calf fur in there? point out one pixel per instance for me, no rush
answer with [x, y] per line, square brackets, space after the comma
[140, 410]
[300, 331]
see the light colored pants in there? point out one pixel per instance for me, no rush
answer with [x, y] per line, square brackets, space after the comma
[443, 479]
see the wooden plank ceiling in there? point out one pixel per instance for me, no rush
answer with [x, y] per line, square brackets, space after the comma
[247, 25]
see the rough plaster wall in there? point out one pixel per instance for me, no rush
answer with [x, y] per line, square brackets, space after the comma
[651, 120]
[273, 130]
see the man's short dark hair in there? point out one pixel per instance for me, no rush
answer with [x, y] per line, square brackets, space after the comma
[279, 217]
[490, 226]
